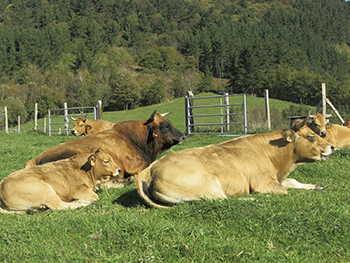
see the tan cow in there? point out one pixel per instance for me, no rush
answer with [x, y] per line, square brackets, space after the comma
[318, 124]
[253, 163]
[64, 184]
[84, 127]
[339, 135]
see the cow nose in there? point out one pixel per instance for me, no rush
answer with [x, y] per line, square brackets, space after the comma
[119, 171]
[73, 132]
[323, 134]
[332, 147]
[183, 138]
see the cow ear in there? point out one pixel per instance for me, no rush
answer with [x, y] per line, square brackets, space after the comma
[92, 160]
[289, 135]
[328, 125]
[151, 118]
[88, 127]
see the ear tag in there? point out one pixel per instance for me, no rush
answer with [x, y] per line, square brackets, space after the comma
[155, 135]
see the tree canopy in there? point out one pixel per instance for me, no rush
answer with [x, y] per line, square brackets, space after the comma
[121, 51]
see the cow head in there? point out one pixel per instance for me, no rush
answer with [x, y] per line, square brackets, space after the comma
[162, 132]
[103, 166]
[81, 126]
[308, 146]
[318, 124]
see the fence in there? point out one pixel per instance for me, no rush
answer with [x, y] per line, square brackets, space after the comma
[220, 120]
[63, 118]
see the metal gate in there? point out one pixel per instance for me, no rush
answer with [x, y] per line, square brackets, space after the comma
[61, 123]
[221, 119]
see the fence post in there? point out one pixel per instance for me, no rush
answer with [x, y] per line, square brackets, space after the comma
[324, 104]
[6, 121]
[189, 112]
[19, 124]
[99, 109]
[36, 116]
[65, 117]
[227, 111]
[267, 107]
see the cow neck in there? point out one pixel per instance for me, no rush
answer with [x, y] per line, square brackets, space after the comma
[136, 133]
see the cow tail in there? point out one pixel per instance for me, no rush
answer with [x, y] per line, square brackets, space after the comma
[142, 187]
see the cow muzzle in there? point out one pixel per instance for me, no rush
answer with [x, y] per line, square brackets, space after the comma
[323, 134]
[74, 132]
[330, 149]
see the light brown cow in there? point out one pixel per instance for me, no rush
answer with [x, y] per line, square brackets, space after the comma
[84, 127]
[254, 163]
[338, 135]
[318, 124]
[64, 184]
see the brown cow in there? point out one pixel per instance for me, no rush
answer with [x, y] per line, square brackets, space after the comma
[84, 127]
[253, 163]
[63, 184]
[133, 144]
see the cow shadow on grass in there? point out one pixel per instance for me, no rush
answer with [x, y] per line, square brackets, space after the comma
[129, 199]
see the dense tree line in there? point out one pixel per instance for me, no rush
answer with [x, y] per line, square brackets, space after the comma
[131, 53]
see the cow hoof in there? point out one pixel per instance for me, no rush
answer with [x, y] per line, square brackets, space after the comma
[319, 187]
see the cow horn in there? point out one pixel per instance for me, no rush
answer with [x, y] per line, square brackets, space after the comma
[299, 125]
[72, 118]
[166, 113]
[151, 118]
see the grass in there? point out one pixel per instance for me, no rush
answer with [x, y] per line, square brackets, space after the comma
[303, 226]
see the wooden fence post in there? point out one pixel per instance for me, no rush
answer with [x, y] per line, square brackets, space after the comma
[19, 124]
[324, 104]
[6, 121]
[267, 107]
[65, 117]
[36, 116]
[99, 110]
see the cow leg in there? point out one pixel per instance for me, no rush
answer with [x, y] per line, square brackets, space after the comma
[268, 186]
[292, 183]
[84, 194]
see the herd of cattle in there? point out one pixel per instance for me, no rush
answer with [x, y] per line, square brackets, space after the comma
[67, 175]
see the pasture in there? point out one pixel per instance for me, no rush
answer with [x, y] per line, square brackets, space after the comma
[303, 226]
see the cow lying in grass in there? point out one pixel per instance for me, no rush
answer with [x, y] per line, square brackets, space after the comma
[254, 163]
[339, 135]
[64, 184]
[84, 127]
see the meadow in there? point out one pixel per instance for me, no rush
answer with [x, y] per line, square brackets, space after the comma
[302, 226]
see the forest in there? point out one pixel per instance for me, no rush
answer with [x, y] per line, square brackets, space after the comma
[133, 53]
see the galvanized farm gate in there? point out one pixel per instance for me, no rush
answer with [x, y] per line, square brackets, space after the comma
[61, 117]
[220, 119]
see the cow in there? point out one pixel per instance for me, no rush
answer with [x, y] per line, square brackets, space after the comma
[252, 163]
[63, 184]
[133, 144]
[338, 135]
[318, 124]
[84, 127]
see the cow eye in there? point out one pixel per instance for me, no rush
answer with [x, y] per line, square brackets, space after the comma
[311, 138]
[105, 161]
[164, 126]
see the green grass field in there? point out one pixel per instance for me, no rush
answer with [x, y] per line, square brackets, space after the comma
[303, 226]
